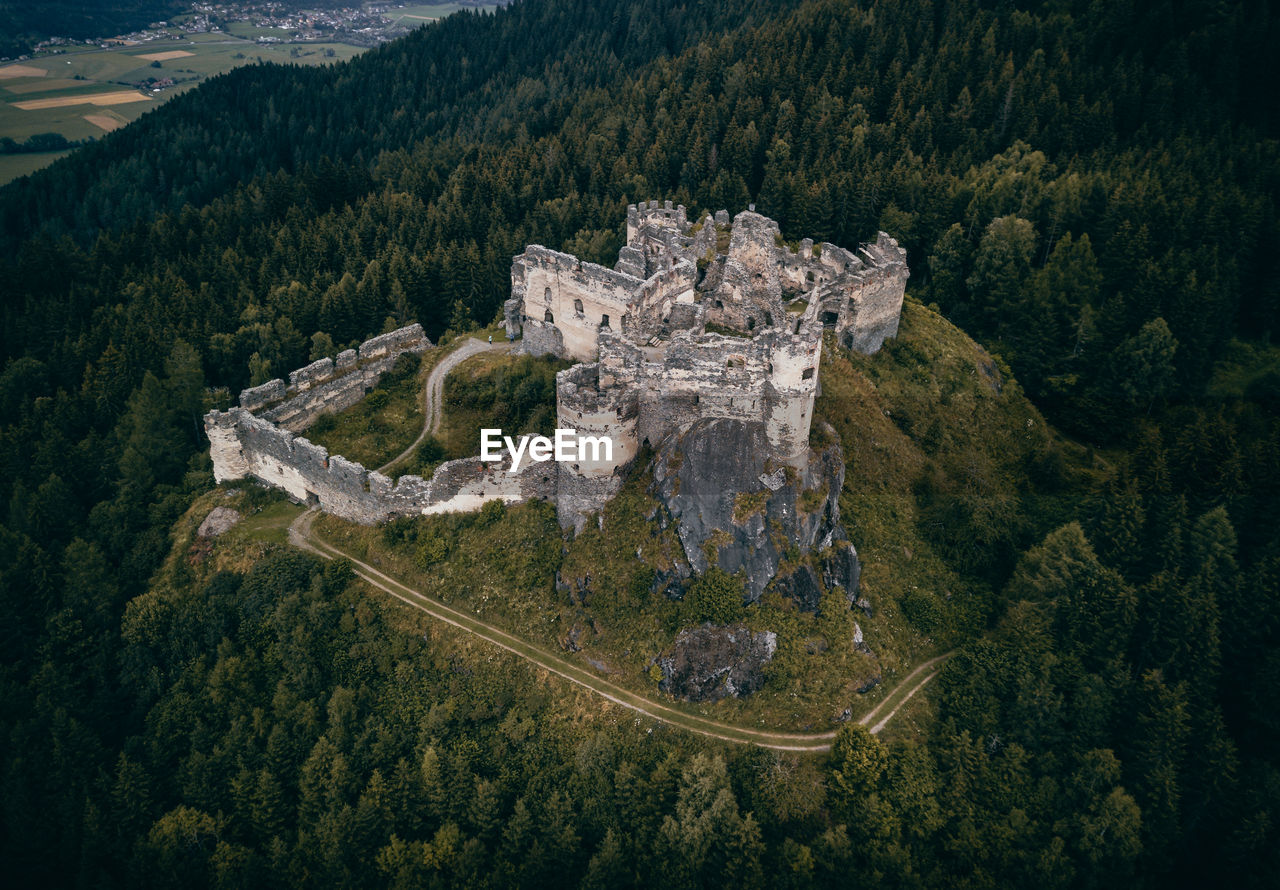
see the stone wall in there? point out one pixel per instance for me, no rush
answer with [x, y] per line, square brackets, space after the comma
[863, 297]
[244, 445]
[326, 386]
[748, 295]
[581, 298]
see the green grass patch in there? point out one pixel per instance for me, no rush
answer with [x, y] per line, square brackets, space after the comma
[18, 165]
[713, 328]
[938, 440]
[513, 393]
[383, 424]
[269, 523]
[748, 504]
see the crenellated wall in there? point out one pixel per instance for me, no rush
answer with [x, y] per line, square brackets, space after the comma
[326, 386]
[650, 369]
[245, 446]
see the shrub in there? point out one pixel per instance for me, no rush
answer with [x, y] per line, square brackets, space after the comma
[715, 596]
[490, 513]
[922, 611]
[433, 549]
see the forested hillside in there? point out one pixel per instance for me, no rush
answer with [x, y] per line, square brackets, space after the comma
[1088, 189]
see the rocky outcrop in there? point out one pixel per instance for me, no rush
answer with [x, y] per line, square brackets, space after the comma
[709, 663]
[219, 521]
[731, 506]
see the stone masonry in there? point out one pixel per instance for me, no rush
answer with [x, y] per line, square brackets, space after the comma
[258, 439]
[716, 319]
[713, 320]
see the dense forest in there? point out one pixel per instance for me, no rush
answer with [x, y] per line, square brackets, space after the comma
[1090, 189]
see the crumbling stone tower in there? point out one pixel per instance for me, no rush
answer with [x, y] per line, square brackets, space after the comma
[713, 320]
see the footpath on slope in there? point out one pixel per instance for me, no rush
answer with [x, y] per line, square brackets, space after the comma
[433, 392]
[302, 535]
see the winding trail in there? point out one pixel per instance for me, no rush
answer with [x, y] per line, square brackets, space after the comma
[303, 536]
[433, 392]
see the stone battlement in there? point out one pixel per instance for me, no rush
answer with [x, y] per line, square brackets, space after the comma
[678, 333]
[244, 445]
[681, 330]
[327, 386]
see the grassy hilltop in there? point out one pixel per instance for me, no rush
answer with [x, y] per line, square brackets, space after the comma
[931, 427]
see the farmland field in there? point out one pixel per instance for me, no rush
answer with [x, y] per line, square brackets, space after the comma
[424, 12]
[106, 120]
[21, 71]
[14, 166]
[67, 92]
[116, 97]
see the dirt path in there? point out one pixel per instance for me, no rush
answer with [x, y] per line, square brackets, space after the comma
[301, 535]
[911, 684]
[433, 392]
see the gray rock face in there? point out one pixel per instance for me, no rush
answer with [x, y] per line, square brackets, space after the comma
[219, 520]
[710, 663]
[713, 482]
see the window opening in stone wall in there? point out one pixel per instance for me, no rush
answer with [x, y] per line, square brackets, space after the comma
[546, 295]
[577, 306]
[808, 374]
[604, 322]
[547, 316]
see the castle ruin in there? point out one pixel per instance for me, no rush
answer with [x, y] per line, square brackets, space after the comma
[716, 320]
